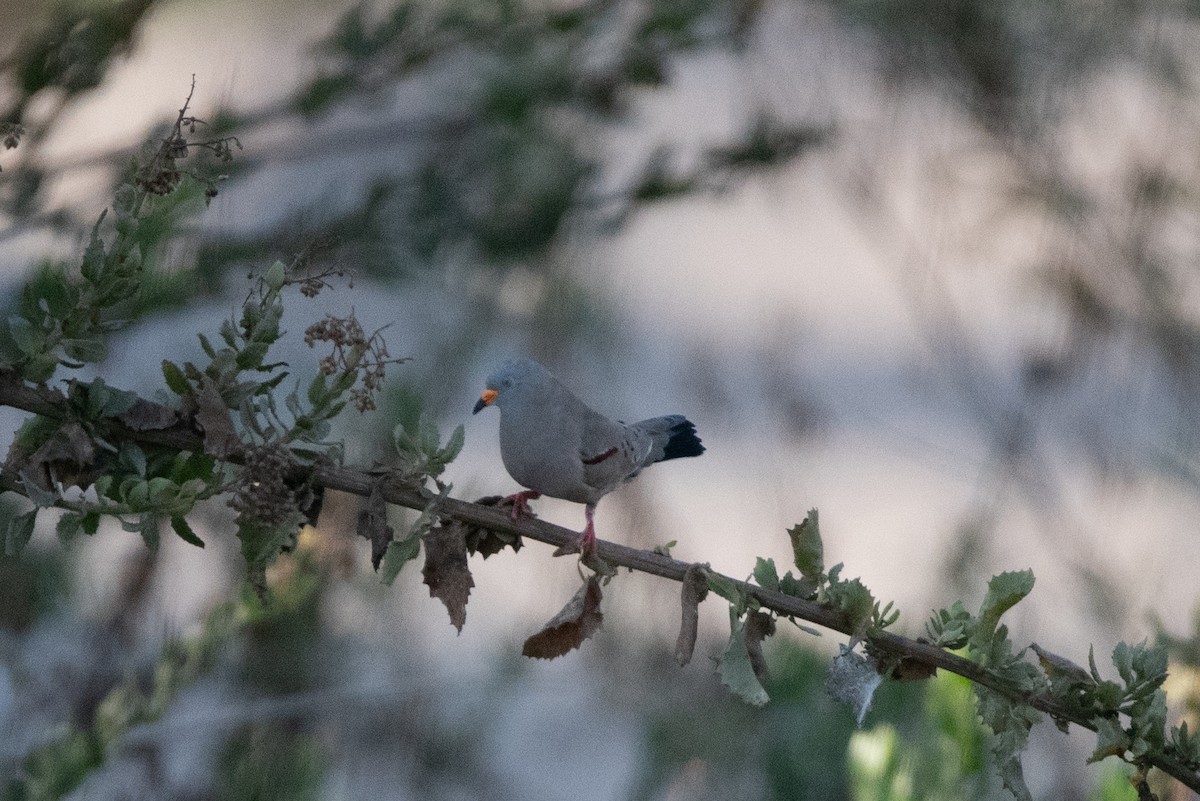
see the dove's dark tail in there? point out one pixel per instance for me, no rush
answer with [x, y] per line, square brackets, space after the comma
[675, 434]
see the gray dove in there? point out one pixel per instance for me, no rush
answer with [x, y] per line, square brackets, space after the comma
[554, 444]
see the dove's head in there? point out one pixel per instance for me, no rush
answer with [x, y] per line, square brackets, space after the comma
[512, 382]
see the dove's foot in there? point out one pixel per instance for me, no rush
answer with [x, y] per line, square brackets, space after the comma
[520, 503]
[587, 540]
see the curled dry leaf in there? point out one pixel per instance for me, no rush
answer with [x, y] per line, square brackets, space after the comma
[909, 669]
[68, 455]
[759, 626]
[578, 620]
[146, 415]
[695, 588]
[486, 542]
[212, 415]
[373, 526]
[446, 571]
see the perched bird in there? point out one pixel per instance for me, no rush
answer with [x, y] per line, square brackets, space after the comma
[553, 444]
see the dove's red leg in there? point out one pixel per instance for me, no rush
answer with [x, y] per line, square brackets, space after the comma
[587, 540]
[520, 502]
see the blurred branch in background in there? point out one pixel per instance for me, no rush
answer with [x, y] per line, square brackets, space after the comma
[475, 147]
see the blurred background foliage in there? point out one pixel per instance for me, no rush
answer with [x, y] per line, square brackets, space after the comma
[481, 150]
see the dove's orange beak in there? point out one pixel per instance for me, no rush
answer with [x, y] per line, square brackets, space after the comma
[486, 399]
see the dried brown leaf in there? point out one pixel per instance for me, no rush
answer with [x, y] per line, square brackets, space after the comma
[486, 542]
[373, 526]
[146, 415]
[68, 455]
[759, 626]
[446, 571]
[212, 415]
[908, 669]
[695, 588]
[577, 621]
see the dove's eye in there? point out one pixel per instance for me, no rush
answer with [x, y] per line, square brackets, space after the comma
[507, 383]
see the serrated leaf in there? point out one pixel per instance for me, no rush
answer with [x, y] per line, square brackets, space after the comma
[807, 548]
[1004, 592]
[854, 601]
[180, 524]
[446, 571]
[798, 588]
[486, 542]
[734, 666]
[566, 631]
[765, 574]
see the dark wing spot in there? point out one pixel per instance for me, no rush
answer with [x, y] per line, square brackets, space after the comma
[598, 459]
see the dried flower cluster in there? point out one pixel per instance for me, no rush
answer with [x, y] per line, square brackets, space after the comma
[160, 175]
[262, 492]
[353, 352]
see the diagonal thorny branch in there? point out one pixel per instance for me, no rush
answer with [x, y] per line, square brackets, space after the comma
[16, 394]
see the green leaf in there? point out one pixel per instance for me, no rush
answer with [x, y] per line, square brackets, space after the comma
[18, 532]
[176, 382]
[950, 628]
[807, 548]
[22, 333]
[40, 368]
[262, 542]
[399, 553]
[34, 491]
[1004, 591]
[275, 276]
[728, 589]
[1111, 739]
[735, 668]
[454, 446]
[798, 588]
[765, 573]
[854, 601]
[90, 522]
[70, 526]
[1010, 724]
[85, 350]
[93, 257]
[149, 527]
[251, 356]
[180, 524]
